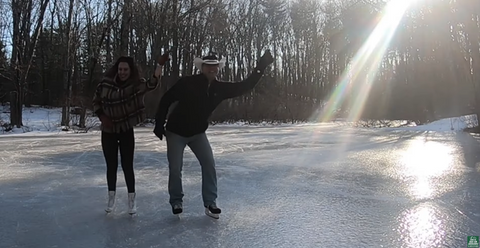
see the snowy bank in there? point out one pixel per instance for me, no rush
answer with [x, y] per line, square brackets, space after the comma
[40, 120]
[447, 124]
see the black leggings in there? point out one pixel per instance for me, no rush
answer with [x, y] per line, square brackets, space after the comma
[111, 142]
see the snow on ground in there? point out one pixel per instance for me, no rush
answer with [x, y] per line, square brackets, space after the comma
[38, 121]
[447, 124]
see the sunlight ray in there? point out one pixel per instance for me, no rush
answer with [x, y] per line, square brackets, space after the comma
[364, 66]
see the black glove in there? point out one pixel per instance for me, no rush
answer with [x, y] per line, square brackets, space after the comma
[159, 131]
[265, 60]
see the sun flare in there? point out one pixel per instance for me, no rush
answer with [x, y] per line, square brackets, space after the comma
[362, 69]
[422, 162]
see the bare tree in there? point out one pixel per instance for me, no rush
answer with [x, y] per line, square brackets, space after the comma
[67, 66]
[426, 72]
[23, 49]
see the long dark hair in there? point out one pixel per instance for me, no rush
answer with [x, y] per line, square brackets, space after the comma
[134, 70]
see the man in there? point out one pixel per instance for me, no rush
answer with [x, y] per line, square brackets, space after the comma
[196, 98]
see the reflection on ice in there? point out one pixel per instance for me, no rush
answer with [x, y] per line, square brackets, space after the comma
[422, 189]
[422, 162]
[421, 227]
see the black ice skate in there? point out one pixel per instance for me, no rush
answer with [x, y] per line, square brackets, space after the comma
[213, 211]
[177, 209]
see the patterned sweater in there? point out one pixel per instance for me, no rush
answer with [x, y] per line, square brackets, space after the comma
[122, 103]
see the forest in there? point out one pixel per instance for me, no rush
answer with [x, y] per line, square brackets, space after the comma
[415, 60]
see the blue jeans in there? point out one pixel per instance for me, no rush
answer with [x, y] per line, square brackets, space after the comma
[200, 146]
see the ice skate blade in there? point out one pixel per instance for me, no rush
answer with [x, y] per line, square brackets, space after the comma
[210, 214]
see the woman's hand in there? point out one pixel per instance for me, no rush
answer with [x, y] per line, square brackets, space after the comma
[161, 60]
[106, 122]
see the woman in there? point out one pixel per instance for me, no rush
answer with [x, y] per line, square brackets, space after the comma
[119, 104]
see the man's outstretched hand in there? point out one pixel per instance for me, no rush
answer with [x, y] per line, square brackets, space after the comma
[265, 60]
[159, 131]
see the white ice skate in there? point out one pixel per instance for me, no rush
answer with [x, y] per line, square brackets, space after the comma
[132, 208]
[111, 201]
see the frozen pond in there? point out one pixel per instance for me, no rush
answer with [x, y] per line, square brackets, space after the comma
[296, 186]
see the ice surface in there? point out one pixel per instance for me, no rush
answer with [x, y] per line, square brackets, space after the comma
[290, 186]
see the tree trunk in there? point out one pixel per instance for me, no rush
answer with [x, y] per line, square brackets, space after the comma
[125, 28]
[108, 47]
[67, 69]
[14, 113]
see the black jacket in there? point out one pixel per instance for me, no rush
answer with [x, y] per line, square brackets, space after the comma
[196, 102]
